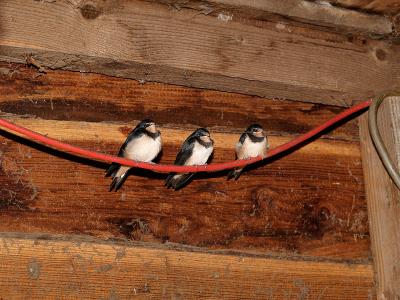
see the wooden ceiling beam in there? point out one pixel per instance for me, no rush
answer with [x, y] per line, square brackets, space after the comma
[151, 42]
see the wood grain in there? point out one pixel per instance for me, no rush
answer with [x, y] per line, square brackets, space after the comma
[149, 41]
[43, 267]
[390, 7]
[309, 12]
[309, 203]
[71, 96]
[384, 200]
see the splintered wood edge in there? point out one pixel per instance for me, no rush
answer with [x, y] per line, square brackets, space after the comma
[54, 267]
[78, 131]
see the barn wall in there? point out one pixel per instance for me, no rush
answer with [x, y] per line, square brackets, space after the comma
[309, 203]
[295, 227]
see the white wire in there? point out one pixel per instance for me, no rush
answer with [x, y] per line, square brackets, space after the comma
[377, 139]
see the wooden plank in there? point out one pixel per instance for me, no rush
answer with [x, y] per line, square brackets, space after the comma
[43, 267]
[384, 200]
[149, 41]
[389, 7]
[71, 96]
[318, 13]
[309, 203]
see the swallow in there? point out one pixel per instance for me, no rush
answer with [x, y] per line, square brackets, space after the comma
[252, 143]
[142, 144]
[196, 150]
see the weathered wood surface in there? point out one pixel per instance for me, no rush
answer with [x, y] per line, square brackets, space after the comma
[317, 13]
[390, 7]
[295, 205]
[39, 267]
[64, 95]
[384, 200]
[309, 203]
[150, 41]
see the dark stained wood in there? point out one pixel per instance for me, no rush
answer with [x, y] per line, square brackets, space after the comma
[61, 95]
[383, 199]
[309, 203]
[150, 41]
[48, 267]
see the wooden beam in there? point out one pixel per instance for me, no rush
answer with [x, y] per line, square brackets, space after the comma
[388, 7]
[318, 13]
[151, 42]
[47, 267]
[72, 96]
[383, 200]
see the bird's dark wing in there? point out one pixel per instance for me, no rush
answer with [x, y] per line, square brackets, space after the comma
[185, 152]
[113, 168]
[135, 133]
[242, 137]
[235, 173]
[173, 180]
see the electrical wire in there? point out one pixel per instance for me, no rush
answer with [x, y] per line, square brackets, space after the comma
[163, 168]
[377, 139]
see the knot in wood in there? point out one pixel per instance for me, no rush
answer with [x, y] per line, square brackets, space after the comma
[90, 11]
[380, 54]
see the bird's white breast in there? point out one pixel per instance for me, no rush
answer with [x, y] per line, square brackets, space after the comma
[200, 154]
[143, 148]
[250, 149]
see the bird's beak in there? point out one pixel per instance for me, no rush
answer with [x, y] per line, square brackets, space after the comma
[259, 133]
[152, 128]
[205, 138]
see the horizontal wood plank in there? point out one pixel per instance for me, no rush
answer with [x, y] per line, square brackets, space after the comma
[149, 41]
[309, 203]
[310, 12]
[44, 267]
[71, 96]
[389, 7]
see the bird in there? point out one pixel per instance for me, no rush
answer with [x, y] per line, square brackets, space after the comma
[142, 144]
[195, 150]
[252, 143]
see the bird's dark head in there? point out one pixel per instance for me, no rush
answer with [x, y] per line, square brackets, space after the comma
[202, 134]
[148, 125]
[256, 130]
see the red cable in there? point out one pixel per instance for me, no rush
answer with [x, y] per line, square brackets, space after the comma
[173, 168]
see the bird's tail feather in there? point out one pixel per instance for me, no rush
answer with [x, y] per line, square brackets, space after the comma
[117, 182]
[112, 170]
[235, 173]
[169, 180]
[118, 177]
[177, 181]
